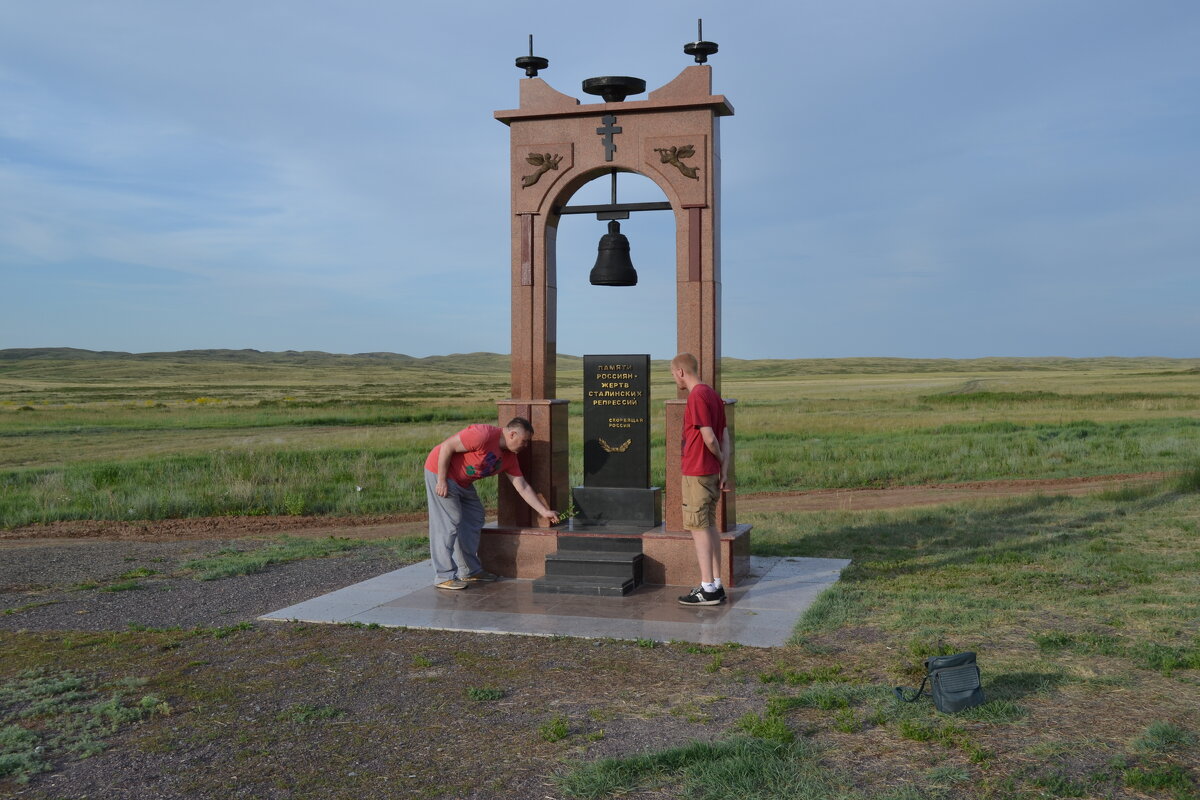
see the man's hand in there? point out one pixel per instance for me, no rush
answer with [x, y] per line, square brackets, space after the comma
[441, 490]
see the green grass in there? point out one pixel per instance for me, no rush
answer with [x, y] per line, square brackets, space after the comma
[778, 461]
[748, 767]
[251, 558]
[793, 677]
[47, 715]
[1172, 779]
[27, 607]
[229, 562]
[771, 727]
[1164, 737]
[284, 549]
[1121, 569]
[218, 484]
[554, 729]
[213, 433]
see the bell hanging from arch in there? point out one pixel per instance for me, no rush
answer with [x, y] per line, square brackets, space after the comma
[613, 267]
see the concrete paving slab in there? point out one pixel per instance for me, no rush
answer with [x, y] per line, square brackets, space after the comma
[762, 612]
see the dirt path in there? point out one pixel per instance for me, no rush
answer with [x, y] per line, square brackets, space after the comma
[385, 526]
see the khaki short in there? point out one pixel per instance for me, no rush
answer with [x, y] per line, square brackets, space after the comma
[700, 494]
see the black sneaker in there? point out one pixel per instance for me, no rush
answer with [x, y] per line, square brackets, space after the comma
[699, 597]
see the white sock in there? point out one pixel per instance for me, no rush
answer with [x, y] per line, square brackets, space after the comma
[717, 582]
[709, 587]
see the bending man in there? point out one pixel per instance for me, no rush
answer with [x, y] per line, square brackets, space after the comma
[455, 512]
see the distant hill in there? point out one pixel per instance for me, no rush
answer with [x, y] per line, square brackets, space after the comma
[238, 356]
[778, 368]
[314, 358]
[63, 361]
[491, 363]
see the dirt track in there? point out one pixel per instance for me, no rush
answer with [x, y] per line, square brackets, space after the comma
[384, 526]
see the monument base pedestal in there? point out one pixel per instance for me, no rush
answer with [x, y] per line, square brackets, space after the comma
[617, 507]
[669, 557]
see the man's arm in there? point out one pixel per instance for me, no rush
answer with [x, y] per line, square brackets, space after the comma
[526, 491]
[726, 457]
[451, 446]
[721, 450]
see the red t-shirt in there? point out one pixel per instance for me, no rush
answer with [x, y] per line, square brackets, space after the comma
[484, 456]
[705, 409]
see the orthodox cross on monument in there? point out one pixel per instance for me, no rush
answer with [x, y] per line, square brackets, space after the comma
[608, 130]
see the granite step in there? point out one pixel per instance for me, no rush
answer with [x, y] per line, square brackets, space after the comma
[613, 544]
[583, 585]
[595, 563]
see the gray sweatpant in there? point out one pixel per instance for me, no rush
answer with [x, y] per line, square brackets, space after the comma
[454, 528]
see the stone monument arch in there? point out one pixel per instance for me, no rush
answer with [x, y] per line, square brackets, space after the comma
[557, 145]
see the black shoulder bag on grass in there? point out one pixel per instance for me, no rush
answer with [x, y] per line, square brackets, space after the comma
[953, 683]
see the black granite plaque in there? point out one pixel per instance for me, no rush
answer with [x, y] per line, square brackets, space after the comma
[616, 421]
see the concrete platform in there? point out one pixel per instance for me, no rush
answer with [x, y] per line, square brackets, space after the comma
[761, 612]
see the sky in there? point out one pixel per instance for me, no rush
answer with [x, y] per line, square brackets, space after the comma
[916, 178]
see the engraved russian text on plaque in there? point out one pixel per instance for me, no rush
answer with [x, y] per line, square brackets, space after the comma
[616, 421]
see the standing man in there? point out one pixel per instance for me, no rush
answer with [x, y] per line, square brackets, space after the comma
[455, 512]
[705, 468]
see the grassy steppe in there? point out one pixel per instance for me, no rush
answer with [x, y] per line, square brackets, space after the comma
[88, 435]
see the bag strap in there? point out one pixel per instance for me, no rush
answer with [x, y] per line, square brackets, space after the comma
[899, 690]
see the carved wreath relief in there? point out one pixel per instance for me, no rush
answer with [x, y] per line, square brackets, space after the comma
[673, 156]
[543, 162]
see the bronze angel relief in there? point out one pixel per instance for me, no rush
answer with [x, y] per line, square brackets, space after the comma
[672, 156]
[543, 162]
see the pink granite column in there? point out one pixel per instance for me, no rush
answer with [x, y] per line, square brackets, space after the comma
[534, 358]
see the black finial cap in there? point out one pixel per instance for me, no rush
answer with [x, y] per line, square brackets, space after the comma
[700, 48]
[531, 63]
[614, 88]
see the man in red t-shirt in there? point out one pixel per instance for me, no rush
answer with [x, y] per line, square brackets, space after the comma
[455, 512]
[705, 468]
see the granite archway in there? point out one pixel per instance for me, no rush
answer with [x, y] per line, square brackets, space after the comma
[556, 146]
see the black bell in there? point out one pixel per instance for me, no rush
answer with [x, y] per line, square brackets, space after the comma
[613, 267]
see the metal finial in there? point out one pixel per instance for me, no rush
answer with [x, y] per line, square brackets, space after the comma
[531, 63]
[700, 48]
